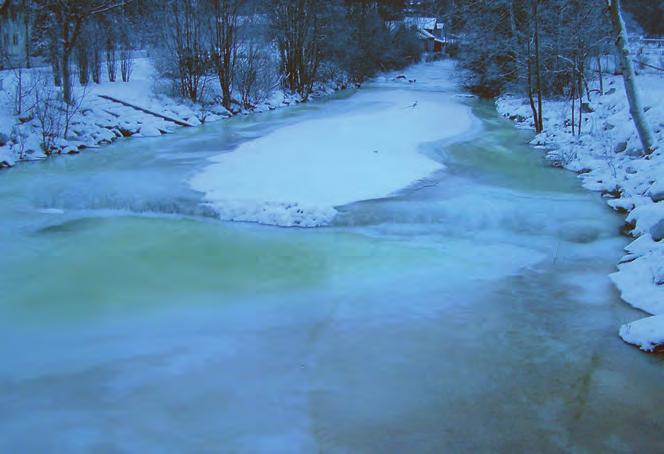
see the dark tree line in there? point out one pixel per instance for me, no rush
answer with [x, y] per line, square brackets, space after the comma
[312, 39]
[648, 14]
[547, 48]
[62, 23]
[238, 40]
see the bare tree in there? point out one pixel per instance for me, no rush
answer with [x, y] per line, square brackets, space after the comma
[126, 64]
[256, 71]
[96, 61]
[224, 16]
[183, 49]
[67, 18]
[631, 89]
[83, 62]
[48, 116]
[299, 30]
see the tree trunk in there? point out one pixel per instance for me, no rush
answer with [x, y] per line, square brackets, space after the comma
[601, 77]
[573, 103]
[531, 98]
[111, 62]
[96, 64]
[66, 78]
[530, 84]
[19, 91]
[83, 65]
[26, 32]
[580, 88]
[538, 68]
[65, 56]
[631, 89]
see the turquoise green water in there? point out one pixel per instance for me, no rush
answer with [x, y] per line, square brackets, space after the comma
[472, 313]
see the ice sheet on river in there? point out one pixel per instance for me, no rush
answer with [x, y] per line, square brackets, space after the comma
[297, 174]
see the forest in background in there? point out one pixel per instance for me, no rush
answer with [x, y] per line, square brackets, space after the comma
[235, 53]
[249, 46]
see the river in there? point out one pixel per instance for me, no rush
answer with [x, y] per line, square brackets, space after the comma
[471, 312]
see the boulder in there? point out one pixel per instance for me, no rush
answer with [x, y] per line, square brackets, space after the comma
[586, 107]
[620, 147]
[657, 192]
[69, 149]
[657, 231]
[627, 228]
[647, 333]
[125, 132]
[149, 130]
[6, 158]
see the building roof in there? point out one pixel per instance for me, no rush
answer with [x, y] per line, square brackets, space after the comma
[423, 34]
[422, 23]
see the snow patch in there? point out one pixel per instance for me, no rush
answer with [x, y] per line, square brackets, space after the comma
[647, 333]
[291, 178]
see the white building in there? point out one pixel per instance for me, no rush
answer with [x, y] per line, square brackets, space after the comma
[15, 30]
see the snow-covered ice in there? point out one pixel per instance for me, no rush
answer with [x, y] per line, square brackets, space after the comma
[647, 333]
[291, 178]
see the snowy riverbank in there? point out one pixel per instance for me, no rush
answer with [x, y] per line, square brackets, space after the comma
[98, 120]
[607, 157]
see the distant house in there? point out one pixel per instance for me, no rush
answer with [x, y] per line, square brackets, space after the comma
[430, 32]
[15, 29]
[421, 23]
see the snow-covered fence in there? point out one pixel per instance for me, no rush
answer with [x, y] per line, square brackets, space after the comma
[648, 54]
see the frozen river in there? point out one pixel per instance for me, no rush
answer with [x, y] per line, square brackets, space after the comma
[469, 312]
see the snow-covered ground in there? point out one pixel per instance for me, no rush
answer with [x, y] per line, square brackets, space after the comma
[97, 121]
[607, 157]
[292, 178]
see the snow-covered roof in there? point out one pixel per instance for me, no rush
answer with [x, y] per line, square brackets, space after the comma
[425, 34]
[422, 23]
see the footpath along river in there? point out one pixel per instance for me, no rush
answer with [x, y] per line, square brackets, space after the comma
[470, 312]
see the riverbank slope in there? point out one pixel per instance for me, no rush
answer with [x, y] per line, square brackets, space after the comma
[606, 155]
[39, 127]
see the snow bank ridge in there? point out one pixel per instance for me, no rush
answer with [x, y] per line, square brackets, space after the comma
[282, 214]
[607, 155]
